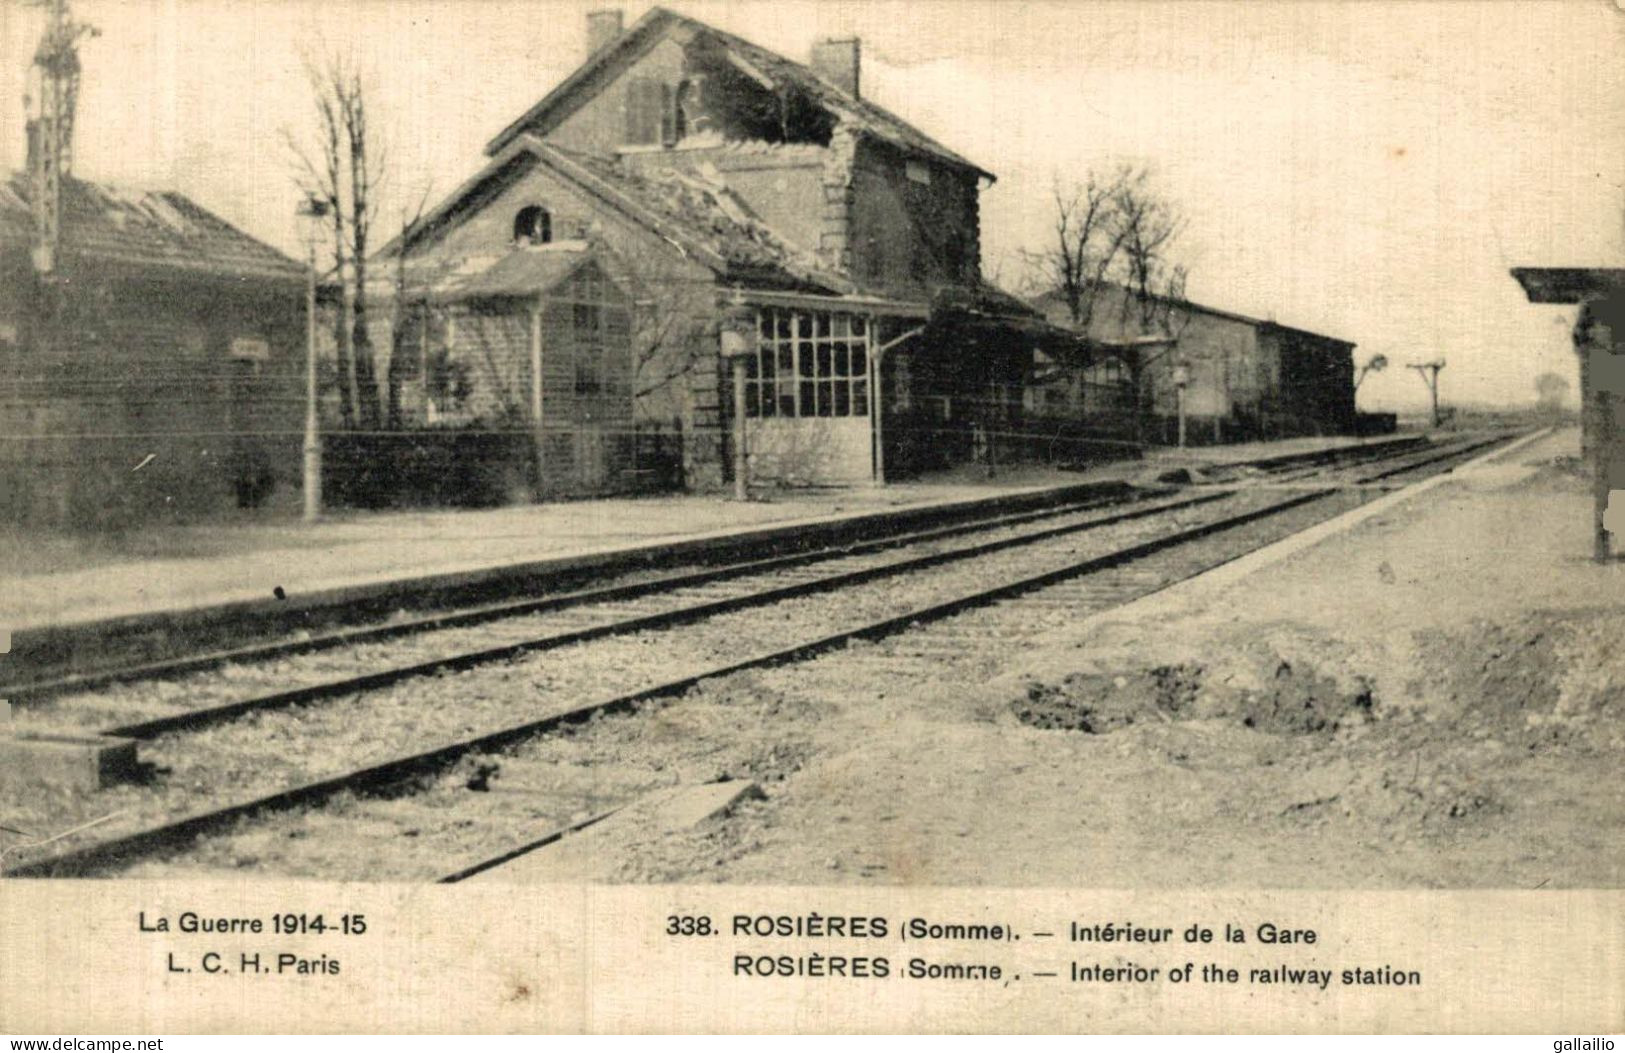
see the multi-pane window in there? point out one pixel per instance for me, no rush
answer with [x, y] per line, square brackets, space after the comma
[808, 364]
[1107, 370]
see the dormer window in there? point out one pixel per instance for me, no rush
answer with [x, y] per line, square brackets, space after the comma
[532, 226]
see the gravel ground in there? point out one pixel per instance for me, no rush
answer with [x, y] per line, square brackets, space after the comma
[1435, 698]
[127, 703]
[751, 725]
[475, 809]
[268, 750]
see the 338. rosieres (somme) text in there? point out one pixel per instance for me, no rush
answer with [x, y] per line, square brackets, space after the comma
[1085, 952]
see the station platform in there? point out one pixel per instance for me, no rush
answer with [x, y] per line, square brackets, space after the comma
[52, 582]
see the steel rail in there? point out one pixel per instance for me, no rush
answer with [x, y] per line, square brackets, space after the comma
[462, 617]
[128, 847]
[24, 692]
[1446, 455]
[199, 718]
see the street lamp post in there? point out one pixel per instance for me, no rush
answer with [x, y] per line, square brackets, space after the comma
[1182, 377]
[312, 211]
[737, 338]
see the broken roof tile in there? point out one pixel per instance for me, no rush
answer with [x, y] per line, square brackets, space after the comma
[761, 65]
[109, 224]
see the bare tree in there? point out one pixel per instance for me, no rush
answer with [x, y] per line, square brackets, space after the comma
[1374, 364]
[667, 330]
[1153, 304]
[1550, 391]
[1087, 236]
[343, 168]
[1112, 237]
[410, 325]
[1150, 225]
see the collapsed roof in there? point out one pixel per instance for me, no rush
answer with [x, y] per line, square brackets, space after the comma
[772, 71]
[705, 220]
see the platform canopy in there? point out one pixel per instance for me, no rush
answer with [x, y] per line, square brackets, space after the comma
[1569, 284]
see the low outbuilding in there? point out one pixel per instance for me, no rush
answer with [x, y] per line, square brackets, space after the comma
[158, 371]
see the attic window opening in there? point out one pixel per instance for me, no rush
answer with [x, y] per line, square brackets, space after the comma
[661, 114]
[533, 226]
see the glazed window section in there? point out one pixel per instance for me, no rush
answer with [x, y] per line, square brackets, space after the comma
[808, 364]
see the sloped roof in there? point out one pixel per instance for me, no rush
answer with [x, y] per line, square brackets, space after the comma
[1052, 301]
[109, 224]
[855, 112]
[711, 216]
[704, 220]
[1569, 284]
[520, 272]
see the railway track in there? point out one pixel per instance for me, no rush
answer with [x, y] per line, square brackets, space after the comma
[278, 752]
[637, 587]
[618, 588]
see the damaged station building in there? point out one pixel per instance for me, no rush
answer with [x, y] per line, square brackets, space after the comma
[726, 191]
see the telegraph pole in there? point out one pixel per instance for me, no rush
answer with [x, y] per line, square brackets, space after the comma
[1429, 372]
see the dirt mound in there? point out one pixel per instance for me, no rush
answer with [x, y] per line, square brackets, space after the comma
[1546, 676]
[1292, 699]
[1100, 702]
[1566, 464]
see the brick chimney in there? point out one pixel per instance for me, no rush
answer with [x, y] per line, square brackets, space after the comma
[837, 61]
[603, 27]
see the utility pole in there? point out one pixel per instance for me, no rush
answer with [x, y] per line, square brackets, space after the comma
[49, 102]
[1429, 372]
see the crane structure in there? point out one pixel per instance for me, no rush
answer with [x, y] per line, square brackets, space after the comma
[52, 98]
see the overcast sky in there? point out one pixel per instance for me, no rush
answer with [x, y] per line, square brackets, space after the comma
[1365, 170]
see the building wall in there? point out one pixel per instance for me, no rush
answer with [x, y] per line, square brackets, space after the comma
[674, 338]
[599, 124]
[584, 441]
[1316, 382]
[139, 410]
[898, 225]
[809, 397]
[1246, 379]
[1227, 370]
[486, 413]
[799, 451]
[914, 223]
